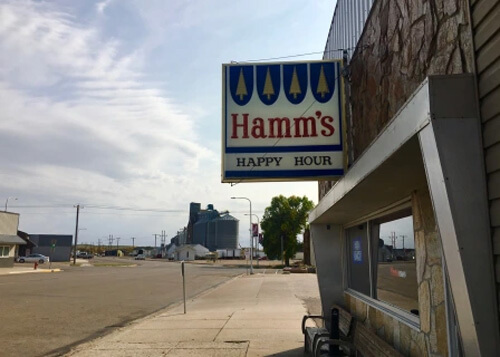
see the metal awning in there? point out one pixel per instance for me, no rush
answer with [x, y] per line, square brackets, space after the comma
[11, 239]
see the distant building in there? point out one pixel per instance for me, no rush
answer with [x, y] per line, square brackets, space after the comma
[385, 253]
[211, 228]
[9, 240]
[170, 254]
[191, 252]
[56, 246]
[180, 237]
[28, 248]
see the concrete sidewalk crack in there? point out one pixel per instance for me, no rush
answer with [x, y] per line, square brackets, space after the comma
[222, 328]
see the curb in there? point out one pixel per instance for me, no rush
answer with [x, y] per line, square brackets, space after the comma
[37, 271]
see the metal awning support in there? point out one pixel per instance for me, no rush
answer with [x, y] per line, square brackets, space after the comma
[434, 140]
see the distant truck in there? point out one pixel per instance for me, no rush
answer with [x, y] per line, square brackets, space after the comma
[229, 253]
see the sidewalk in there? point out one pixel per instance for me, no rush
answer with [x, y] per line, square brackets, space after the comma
[257, 315]
[28, 269]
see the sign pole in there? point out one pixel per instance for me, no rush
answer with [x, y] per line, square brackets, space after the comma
[52, 250]
[183, 285]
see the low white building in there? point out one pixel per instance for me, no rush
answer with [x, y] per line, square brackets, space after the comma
[191, 252]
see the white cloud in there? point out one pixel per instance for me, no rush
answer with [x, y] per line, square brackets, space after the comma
[101, 6]
[82, 119]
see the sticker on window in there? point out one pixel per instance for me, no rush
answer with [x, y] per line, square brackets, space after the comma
[357, 251]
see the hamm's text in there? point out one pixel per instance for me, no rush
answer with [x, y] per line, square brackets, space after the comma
[284, 127]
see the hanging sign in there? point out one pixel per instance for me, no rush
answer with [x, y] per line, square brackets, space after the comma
[255, 230]
[282, 121]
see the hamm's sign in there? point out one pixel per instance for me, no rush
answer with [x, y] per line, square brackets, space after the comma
[282, 121]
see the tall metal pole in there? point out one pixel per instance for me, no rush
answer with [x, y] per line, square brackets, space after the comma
[7, 202]
[155, 239]
[183, 285]
[282, 255]
[76, 233]
[256, 242]
[251, 235]
[251, 239]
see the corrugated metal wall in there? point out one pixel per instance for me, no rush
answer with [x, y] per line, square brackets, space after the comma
[486, 32]
[347, 25]
[226, 233]
[216, 232]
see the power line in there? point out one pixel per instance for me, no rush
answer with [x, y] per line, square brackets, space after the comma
[135, 209]
[106, 207]
[300, 54]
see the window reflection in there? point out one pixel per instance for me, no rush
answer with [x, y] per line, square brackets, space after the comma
[396, 268]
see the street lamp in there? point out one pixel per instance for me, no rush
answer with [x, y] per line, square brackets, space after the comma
[7, 202]
[251, 235]
[258, 227]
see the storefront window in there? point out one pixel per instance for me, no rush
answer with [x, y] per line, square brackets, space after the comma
[381, 259]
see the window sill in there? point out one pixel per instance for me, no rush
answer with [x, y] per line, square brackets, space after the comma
[402, 316]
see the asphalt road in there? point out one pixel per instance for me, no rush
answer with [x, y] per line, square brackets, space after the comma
[45, 314]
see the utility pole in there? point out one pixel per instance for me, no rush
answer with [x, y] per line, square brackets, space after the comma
[117, 242]
[403, 238]
[133, 242]
[76, 233]
[110, 241]
[155, 239]
[393, 238]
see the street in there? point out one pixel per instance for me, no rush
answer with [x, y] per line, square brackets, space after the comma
[45, 314]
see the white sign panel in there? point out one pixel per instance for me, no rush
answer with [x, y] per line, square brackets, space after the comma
[282, 121]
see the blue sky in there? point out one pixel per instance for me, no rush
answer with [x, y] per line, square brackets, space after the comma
[117, 103]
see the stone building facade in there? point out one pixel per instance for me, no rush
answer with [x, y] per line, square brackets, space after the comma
[402, 44]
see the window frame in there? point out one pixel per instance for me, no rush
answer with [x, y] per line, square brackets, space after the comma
[369, 220]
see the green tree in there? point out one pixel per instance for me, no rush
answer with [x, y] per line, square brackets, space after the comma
[284, 218]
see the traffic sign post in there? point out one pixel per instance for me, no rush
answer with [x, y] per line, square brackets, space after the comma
[183, 285]
[52, 250]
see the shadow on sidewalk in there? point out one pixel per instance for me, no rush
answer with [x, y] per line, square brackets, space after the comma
[290, 353]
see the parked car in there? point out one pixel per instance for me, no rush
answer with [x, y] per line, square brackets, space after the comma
[84, 255]
[140, 257]
[32, 258]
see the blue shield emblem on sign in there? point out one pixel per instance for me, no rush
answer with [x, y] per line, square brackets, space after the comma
[295, 82]
[241, 83]
[268, 83]
[322, 81]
